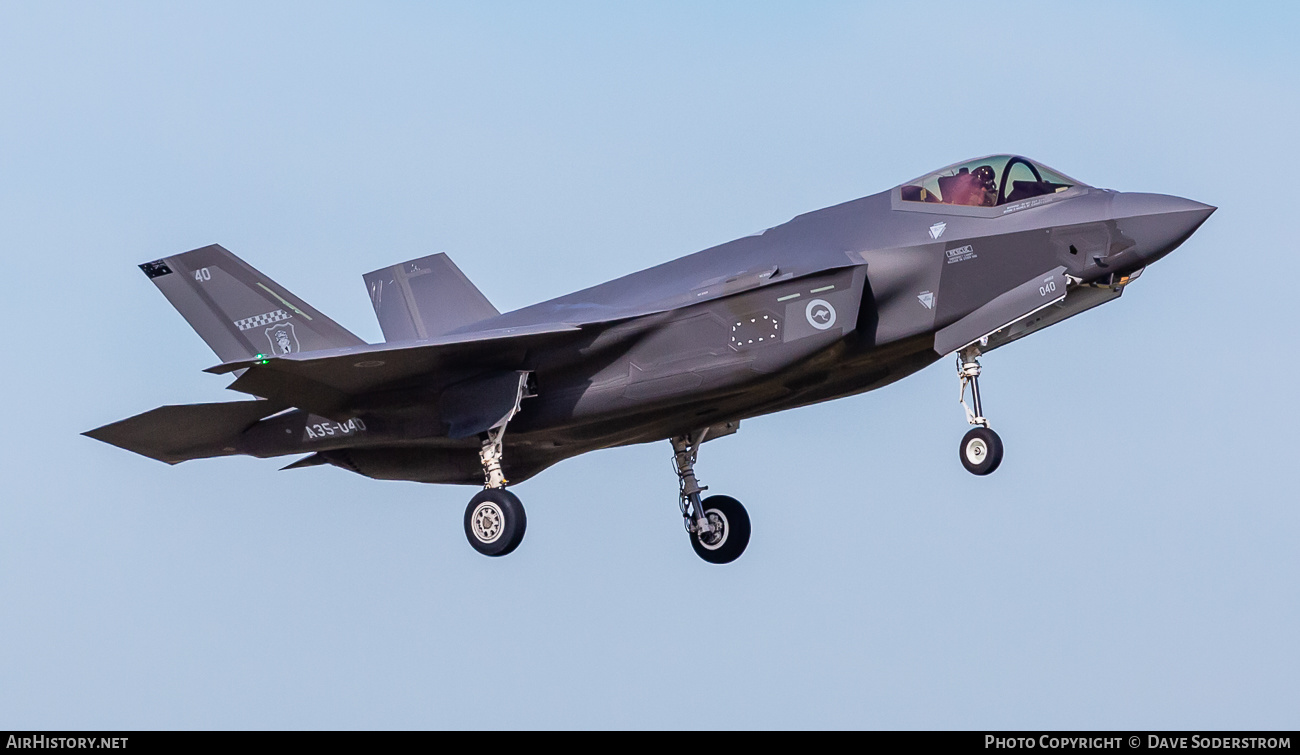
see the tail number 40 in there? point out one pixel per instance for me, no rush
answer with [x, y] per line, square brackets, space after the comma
[1047, 288]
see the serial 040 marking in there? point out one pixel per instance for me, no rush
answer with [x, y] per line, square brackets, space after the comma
[332, 429]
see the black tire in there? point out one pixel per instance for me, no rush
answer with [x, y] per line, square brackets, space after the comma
[495, 522]
[981, 451]
[728, 512]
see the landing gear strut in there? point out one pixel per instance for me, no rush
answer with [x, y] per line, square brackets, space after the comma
[494, 519]
[718, 525]
[981, 448]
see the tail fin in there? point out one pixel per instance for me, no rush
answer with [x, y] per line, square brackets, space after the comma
[239, 312]
[423, 298]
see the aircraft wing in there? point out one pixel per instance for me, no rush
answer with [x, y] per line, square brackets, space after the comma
[325, 382]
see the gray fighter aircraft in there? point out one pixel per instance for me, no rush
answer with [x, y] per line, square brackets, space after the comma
[835, 302]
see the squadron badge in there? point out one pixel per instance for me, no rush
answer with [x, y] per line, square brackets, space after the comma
[283, 339]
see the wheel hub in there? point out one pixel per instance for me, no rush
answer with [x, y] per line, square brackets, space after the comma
[977, 450]
[487, 522]
[715, 539]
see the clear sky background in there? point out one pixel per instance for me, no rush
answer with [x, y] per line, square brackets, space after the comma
[1133, 563]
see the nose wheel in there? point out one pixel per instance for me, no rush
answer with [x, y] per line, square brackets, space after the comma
[981, 451]
[981, 448]
[728, 533]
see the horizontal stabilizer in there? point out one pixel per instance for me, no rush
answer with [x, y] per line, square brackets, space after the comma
[422, 298]
[239, 312]
[315, 460]
[189, 431]
[1020, 302]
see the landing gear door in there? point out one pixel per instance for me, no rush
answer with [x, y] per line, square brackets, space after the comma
[1023, 300]
[483, 403]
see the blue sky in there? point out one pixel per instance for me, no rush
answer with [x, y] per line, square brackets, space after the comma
[1131, 565]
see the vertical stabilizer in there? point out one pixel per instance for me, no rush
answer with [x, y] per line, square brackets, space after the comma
[239, 312]
[423, 298]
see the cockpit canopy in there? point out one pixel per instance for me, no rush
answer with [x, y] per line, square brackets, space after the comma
[987, 182]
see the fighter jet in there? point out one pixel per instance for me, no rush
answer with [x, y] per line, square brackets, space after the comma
[833, 303]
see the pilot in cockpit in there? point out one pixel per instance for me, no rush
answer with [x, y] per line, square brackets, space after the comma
[975, 184]
[972, 188]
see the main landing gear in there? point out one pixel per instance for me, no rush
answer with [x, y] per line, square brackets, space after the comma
[494, 519]
[718, 525]
[981, 448]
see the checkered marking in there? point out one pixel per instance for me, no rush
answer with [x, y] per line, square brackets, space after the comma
[248, 323]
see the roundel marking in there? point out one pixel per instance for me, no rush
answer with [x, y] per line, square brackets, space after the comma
[820, 314]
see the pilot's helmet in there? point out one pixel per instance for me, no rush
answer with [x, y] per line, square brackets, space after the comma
[987, 176]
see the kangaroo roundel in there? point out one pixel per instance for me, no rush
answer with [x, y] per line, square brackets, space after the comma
[820, 314]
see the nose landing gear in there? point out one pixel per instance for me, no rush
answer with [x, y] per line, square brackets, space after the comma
[718, 525]
[981, 448]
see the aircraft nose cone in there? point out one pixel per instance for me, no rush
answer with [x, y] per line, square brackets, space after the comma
[1157, 223]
